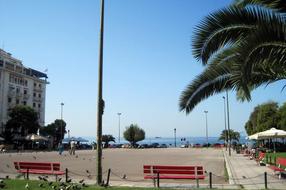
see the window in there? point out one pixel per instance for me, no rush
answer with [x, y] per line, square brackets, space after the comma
[26, 83]
[24, 103]
[17, 101]
[39, 105]
[1, 63]
[40, 85]
[35, 84]
[34, 104]
[39, 95]
[34, 94]
[25, 91]
[9, 100]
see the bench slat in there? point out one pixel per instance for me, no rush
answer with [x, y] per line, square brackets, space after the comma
[38, 168]
[175, 177]
[167, 172]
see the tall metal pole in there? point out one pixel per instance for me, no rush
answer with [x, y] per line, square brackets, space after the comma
[118, 127]
[62, 105]
[226, 133]
[100, 102]
[228, 126]
[207, 135]
[175, 137]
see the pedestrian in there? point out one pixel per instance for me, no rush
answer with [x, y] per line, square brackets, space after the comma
[72, 149]
[60, 148]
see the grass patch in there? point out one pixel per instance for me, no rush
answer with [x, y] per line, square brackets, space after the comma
[271, 157]
[17, 184]
[226, 176]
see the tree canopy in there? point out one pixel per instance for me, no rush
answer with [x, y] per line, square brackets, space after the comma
[133, 134]
[57, 130]
[106, 139]
[232, 134]
[241, 47]
[264, 117]
[23, 121]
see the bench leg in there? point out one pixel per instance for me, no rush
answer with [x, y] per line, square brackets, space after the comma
[154, 182]
[198, 185]
[56, 178]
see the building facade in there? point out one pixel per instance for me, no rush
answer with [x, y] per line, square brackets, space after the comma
[20, 85]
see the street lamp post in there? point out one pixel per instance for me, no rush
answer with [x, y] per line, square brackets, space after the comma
[228, 127]
[207, 136]
[62, 105]
[226, 132]
[175, 137]
[100, 102]
[118, 127]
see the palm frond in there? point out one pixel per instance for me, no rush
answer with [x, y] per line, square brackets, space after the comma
[277, 5]
[265, 49]
[216, 74]
[224, 27]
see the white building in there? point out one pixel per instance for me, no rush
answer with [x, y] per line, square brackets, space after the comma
[20, 85]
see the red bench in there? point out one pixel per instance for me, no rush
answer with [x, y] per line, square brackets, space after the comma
[280, 166]
[49, 168]
[173, 172]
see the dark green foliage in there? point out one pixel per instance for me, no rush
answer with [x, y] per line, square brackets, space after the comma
[282, 117]
[57, 130]
[106, 139]
[233, 135]
[264, 117]
[23, 121]
[134, 134]
[242, 47]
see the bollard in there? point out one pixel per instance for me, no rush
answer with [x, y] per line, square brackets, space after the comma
[198, 185]
[67, 176]
[211, 183]
[108, 176]
[265, 179]
[158, 180]
[27, 173]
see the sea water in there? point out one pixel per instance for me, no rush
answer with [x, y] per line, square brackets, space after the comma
[170, 141]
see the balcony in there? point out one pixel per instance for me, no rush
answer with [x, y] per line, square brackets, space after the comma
[37, 99]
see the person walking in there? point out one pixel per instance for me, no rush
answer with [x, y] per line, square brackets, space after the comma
[72, 150]
[60, 148]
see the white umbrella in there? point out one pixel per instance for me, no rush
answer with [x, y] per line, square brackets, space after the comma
[253, 137]
[272, 133]
[34, 137]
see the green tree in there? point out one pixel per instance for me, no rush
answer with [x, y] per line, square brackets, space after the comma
[263, 117]
[57, 130]
[282, 117]
[23, 121]
[106, 139]
[134, 134]
[242, 47]
[233, 135]
[267, 116]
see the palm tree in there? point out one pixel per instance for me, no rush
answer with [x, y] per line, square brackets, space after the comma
[242, 47]
[106, 139]
[233, 135]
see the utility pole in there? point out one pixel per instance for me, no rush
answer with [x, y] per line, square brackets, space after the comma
[226, 132]
[228, 127]
[118, 127]
[100, 102]
[207, 135]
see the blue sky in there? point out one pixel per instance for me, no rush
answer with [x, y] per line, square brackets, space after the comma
[147, 63]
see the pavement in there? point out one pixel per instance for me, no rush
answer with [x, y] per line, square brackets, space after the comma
[126, 165]
[248, 174]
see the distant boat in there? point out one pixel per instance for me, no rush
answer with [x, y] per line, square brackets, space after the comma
[158, 137]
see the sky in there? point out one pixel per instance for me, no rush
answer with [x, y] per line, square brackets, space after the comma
[147, 64]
